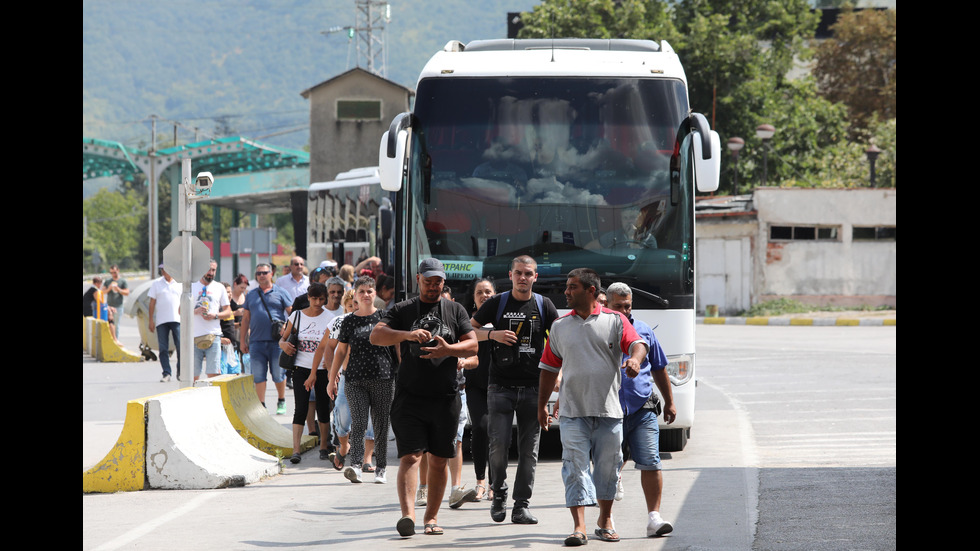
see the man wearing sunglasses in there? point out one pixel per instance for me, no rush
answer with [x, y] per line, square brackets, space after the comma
[263, 304]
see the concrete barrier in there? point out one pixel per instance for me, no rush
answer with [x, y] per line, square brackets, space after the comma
[98, 341]
[190, 444]
[252, 421]
[124, 468]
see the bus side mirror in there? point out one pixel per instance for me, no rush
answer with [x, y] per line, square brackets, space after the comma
[707, 154]
[391, 153]
[387, 221]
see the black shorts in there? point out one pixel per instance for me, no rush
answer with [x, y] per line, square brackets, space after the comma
[425, 423]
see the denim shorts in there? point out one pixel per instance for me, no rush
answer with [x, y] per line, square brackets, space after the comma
[642, 432]
[211, 358]
[463, 416]
[599, 439]
[265, 358]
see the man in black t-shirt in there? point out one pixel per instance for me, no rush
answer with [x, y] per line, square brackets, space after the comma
[518, 337]
[425, 409]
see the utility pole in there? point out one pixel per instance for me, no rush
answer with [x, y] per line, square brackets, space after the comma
[152, 199]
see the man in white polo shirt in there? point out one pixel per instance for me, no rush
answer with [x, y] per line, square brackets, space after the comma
[587, 346]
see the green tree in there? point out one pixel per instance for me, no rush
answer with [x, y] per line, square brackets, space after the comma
[858, 65]
[113, 220]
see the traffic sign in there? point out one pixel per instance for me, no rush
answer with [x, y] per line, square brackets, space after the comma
[173, 259]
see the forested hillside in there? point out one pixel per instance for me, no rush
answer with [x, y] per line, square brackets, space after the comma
[237, 67]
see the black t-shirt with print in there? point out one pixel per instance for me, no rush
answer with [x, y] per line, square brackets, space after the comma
[365, 361]
[420, 376]
[521, 317]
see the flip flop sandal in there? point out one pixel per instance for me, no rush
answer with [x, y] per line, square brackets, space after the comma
[405, 527]
[576, 539]
[478, 499]
[333, 459]
[295, 458]
[605, 534]
[367, 468]
[432, 530]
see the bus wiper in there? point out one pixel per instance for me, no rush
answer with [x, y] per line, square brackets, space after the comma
[657, 298]
[647, 294]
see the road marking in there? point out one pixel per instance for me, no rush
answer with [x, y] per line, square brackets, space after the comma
[148, 527]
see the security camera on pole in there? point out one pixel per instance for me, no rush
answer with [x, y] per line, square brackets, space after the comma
[187, 258]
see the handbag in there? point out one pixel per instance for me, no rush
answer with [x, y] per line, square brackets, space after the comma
[277, 325]
[286, 361]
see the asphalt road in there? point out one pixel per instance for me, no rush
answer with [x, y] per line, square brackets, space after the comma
[742, 482]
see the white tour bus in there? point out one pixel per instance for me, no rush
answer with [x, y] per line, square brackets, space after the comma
[344, 218]
[578, 152]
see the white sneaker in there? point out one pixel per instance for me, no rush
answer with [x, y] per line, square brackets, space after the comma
[420, 497]
[379, 476]
[657, 526]
[165, 379]
[619, 489]
[352, 474]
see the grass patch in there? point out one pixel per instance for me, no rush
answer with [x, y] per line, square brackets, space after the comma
[782, 306]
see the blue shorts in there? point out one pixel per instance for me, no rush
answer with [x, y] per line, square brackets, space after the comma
[642, 432]
[592, 455]
[265, 358]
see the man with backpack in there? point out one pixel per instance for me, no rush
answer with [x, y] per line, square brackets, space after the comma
[520, 319]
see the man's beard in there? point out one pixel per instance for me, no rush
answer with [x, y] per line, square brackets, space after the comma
[209, 278]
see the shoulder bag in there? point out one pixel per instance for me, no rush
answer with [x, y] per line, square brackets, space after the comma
[286, 361]
[277, 325]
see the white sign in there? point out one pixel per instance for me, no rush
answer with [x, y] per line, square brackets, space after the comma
[173, 259]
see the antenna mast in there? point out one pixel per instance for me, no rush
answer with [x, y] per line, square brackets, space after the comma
[370, 21]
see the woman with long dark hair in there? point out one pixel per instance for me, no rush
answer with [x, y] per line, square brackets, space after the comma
[313, 322]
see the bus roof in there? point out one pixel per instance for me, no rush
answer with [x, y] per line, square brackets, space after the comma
[575, 57]
[353, 177]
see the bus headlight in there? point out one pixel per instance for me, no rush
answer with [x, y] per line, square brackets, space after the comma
[680, 369]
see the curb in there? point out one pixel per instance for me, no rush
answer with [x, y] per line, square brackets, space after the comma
[797, 321]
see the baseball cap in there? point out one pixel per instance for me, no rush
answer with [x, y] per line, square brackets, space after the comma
[328, 264]
[432, 267]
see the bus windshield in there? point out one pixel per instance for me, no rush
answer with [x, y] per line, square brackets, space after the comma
[576, 172]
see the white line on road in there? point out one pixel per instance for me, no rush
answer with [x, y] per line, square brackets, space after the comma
[148, 527]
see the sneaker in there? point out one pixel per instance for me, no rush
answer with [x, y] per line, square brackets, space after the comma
[521, 515]
[281, 407]
[498, 511]
[379, 476]
[619, 488]
[420, 497]
[165, 379]
[352, 474]
[459, 496]
[657, 526]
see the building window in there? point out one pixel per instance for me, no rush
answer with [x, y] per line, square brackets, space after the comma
[873, 233]
[803, 233]
[358, 110]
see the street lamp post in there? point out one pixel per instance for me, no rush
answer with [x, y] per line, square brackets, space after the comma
[735, 144]
[765, 132]
[872, 152]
